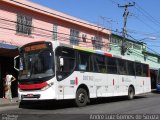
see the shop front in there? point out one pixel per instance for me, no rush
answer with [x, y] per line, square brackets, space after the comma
[7, 54]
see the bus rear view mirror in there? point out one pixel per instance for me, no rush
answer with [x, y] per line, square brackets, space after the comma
[16, 61]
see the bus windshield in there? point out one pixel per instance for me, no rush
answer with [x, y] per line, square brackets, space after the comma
[36, 64]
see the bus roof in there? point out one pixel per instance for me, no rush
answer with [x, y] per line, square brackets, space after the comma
[100, 52]
[105, 53]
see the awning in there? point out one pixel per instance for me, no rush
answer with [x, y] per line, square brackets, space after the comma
[8, 50]
[7, 46]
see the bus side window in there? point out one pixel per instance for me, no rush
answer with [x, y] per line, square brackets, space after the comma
[99, 64]
[111, 65]
[65, 62]
[138, 69]
[122, 69]
[131, 68]
[83, 61]
[145, 70]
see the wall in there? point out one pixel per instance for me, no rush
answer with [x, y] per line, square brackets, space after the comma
[135, 54]
[42, 28]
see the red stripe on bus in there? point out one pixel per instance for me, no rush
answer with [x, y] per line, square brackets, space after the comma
[113, 82]
[148, 71]
[107, 54]
[32, 86]
[76, 81]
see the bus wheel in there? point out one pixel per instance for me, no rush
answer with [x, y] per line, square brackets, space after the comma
[81, 97]
[130, 93]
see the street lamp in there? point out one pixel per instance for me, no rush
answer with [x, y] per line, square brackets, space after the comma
[144, 42]
[148, 38]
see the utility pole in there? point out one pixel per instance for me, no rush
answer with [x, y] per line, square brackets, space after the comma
[125, 15]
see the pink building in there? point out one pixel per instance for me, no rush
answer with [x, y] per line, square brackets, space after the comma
[22, 21]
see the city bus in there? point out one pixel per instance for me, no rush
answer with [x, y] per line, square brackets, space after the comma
[49, 70]
[158, 81]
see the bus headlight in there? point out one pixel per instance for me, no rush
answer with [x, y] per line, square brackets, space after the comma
[48, 86]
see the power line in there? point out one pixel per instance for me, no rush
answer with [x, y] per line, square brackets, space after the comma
[45, 34]
[78, 21]
[146, 46]
[11, 21]
[142, 21]
[149, 16]
[154, 45]
[113, 2]
[146, 15]
[143, 33]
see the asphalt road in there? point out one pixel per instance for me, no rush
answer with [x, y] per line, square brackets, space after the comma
[101, 109]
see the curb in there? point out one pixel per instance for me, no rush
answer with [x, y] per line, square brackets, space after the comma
[6, 102]
[9, 104]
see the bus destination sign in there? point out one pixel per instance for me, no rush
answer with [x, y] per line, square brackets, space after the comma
[35, 47]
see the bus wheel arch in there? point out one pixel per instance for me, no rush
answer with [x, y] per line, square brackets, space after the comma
[82, 95]
[131, 92]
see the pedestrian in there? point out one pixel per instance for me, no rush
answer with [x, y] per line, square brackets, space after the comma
[8, 81]
[4, 82]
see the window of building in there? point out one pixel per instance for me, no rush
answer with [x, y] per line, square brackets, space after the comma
[98, 44]
[74, 37]
[55, 32]
[24, 24]
[116, 41]
[159, 60]
[84, 37]
[136, 46]
[128, 44]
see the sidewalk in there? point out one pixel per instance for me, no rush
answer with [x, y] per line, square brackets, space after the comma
[6, 102]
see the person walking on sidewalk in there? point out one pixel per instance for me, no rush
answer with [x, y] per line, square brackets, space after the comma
[8, 81]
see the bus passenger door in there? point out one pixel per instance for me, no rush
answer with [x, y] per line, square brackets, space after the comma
[139, 78]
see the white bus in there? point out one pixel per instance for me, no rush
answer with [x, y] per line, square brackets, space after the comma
[55, 71]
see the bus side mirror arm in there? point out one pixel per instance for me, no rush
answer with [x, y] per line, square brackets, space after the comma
[15, 62]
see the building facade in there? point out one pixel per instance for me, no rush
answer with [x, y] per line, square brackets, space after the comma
[22, 22]
[137, 51]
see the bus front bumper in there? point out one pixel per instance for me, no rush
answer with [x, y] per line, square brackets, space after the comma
[48, 94]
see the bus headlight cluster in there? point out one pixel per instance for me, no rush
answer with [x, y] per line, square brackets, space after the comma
[48, 86]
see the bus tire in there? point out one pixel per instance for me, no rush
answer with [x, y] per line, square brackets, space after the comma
[81, 97]
[131, 93]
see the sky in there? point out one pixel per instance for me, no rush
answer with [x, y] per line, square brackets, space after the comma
[143, 21]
